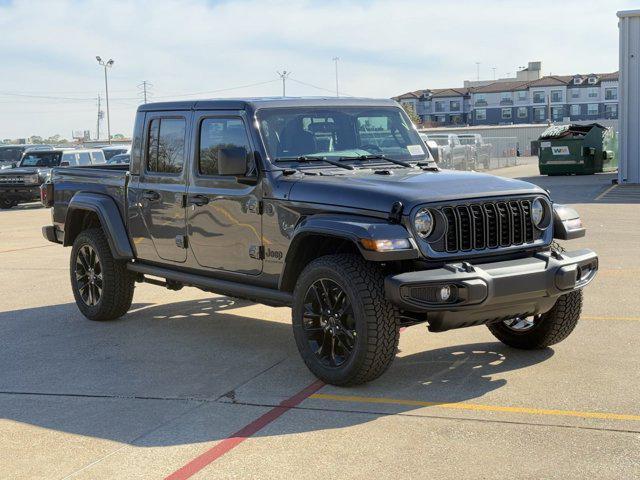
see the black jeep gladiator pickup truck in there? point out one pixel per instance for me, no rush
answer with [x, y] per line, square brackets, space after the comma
[331, 206]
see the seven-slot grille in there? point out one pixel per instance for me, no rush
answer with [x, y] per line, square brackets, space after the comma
[479, 226]
[12, 180]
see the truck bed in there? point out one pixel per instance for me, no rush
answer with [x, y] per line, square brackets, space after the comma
[109, 180]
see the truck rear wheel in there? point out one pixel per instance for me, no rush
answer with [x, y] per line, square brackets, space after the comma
[6, 203]
[542, 330]
[102, 286]
[346, 331]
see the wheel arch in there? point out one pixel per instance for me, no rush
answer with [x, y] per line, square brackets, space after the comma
[87, 210]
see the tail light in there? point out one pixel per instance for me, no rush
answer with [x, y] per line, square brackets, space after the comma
[46, 194]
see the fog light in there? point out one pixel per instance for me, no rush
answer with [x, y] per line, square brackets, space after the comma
[445, 293]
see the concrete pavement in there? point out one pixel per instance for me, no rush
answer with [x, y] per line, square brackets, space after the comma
[144, 396]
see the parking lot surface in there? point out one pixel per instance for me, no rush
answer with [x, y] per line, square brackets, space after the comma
[193, 384]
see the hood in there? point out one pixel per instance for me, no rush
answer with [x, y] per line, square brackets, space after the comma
[24, 171]
[365, 190]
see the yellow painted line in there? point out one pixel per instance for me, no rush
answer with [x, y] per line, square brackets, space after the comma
[606, 191]
[476, 407]
[590, 317]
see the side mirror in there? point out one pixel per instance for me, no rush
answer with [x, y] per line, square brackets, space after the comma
[232, 161]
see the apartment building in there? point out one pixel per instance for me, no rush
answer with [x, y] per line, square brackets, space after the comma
[555, 98]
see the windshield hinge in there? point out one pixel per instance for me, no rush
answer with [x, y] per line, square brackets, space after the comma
[395, 215]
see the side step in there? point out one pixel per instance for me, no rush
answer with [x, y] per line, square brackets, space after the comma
[268, 296]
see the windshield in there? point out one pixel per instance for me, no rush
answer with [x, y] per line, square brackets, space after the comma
[10, 154]
[467, 140]
[290, 133]
[112, 152]
[443, 141]
[41, 159]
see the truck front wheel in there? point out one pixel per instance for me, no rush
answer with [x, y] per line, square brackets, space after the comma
[346, 331]
[102, 286]
[6, 203]
[542, 330]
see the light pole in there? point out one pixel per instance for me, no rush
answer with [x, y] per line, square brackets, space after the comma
[284, 75]
[478, 71]
[107, 64]
[335, 59]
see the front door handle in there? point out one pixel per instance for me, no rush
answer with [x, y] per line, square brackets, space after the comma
[151, 195]
[197, 200]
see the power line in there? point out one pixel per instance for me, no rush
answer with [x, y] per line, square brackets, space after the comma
[319, 88]
[145, 90]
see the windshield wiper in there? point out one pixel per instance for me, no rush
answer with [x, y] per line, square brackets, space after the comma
[312, 158]
[376, 156]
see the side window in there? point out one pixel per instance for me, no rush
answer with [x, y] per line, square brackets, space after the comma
[97, 158]
[70, 158]
[84, 158]
[165, 148]
[218, 135]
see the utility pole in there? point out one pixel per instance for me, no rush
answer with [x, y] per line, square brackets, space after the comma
[284, 75]
[478, 71]
[98, 121]
[494, 72]
[107, 64]
[335, 59]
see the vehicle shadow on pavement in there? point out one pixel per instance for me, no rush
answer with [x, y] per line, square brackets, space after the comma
[62, 372]
[577, 188]
[23, 206]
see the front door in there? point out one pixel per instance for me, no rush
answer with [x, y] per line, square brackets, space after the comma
[224, 218]
[162, 186]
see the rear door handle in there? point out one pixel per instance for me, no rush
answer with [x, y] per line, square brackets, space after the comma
[197, 200]
[151, 195]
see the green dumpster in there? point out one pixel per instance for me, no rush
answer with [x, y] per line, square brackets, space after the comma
[579, 149]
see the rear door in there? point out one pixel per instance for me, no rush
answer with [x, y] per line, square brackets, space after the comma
[225, 227]
[161, 190]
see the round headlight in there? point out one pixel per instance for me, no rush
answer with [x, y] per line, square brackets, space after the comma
[423, 223]
[537, 212]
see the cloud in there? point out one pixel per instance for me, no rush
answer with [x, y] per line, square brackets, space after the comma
[385, 48]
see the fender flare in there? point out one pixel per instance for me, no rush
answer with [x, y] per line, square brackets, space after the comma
[110, 219]
[352, 228]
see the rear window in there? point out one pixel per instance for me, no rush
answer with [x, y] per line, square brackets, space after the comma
[440, 140]
[165, 147]
[97, 158]
[84, 159]
[70, 158]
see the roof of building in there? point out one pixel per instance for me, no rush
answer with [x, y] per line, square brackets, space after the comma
[449, 92]
[502, 87]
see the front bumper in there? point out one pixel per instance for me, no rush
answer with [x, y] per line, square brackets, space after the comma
[492, 291]
[26, 193]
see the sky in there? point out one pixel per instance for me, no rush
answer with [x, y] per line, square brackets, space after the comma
[50, 79]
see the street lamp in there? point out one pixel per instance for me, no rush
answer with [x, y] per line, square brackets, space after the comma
[107, 64]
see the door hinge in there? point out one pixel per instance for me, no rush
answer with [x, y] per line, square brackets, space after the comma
[181, 241]
[255, 207]
[257, 252]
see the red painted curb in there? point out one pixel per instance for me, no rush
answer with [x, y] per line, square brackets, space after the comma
[231, 442]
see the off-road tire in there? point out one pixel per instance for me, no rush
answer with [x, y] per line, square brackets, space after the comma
[118, 282]
[551, 328]
[377, 319]
[6, 203]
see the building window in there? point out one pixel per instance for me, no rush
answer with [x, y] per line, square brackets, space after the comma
[522, 96]
[439, 106]
[454, 105]
[522, 112]
[592, 109]
[506, 113]
[538, 97]
[575, 93]
[611, 110]
[557, 113]
[480, 99]
[539, 113]
[556, 96]
[506, 98]
[481, 114]
[575, 110]
[611, 93]
[592, 92]
[441, 118]
[592, 80]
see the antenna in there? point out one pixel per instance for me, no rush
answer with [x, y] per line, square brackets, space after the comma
[335, 59]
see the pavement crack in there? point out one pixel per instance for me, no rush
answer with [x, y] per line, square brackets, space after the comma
[231, 394]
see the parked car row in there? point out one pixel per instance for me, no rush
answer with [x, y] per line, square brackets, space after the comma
[459, 152]
[20, 181]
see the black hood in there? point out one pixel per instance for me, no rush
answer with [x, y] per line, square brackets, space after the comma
[366, 190]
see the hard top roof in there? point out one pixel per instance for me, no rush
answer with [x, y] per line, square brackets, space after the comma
[266, 102]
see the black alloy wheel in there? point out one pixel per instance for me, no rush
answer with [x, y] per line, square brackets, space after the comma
[89, 278]
[329, 323]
